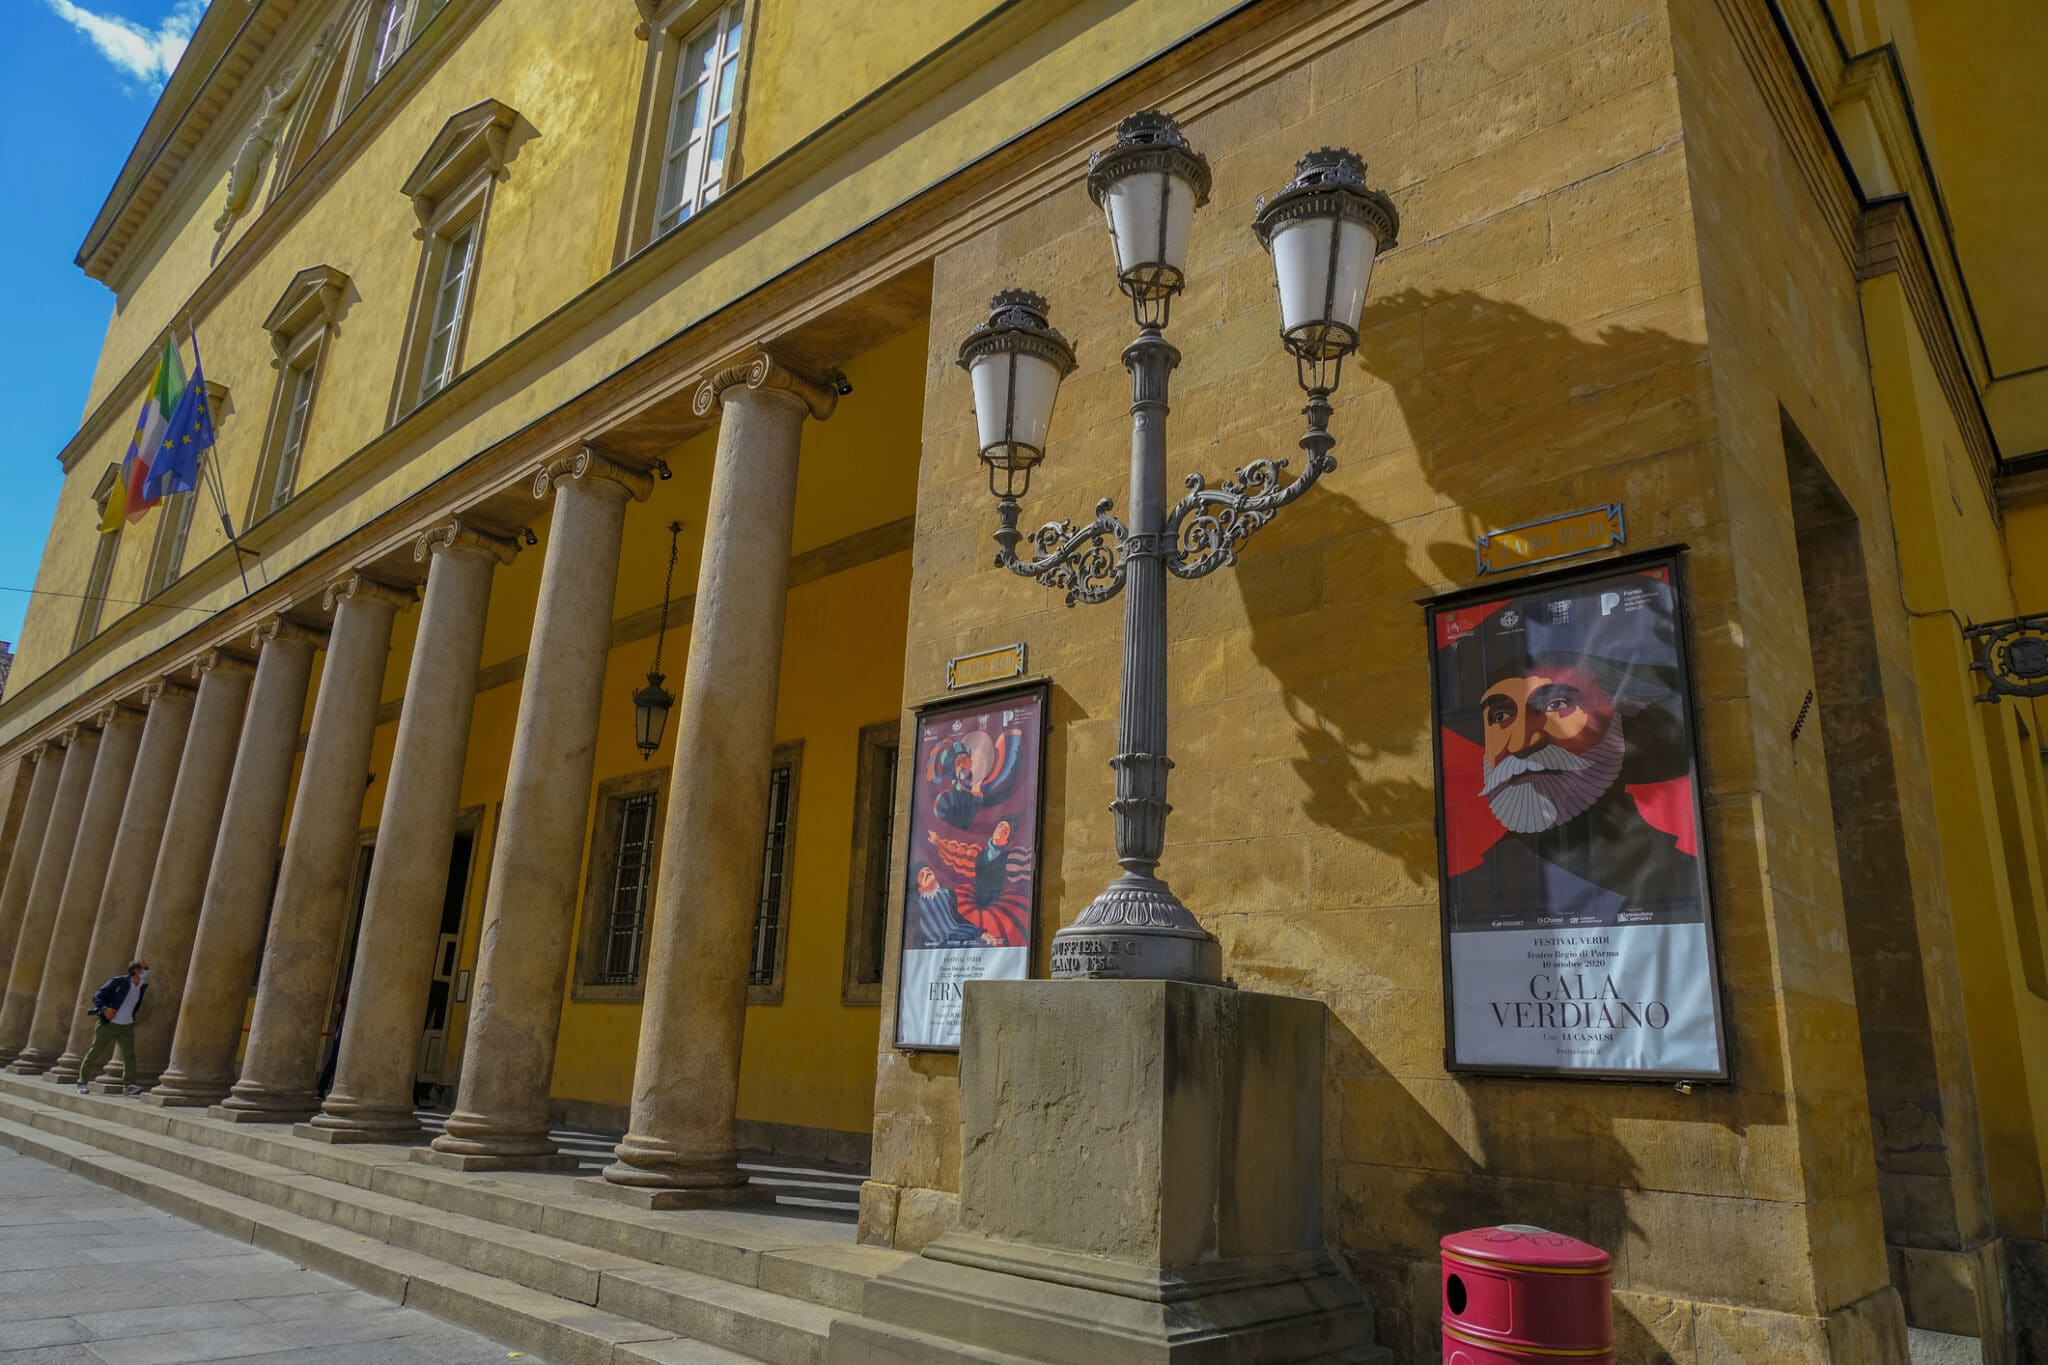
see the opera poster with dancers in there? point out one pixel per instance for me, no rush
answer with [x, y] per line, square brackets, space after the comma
[970, 896]
[1576, 927]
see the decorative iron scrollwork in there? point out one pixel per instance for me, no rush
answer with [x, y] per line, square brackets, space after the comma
[1088, 561]
[2012, 655]
[1205, 529]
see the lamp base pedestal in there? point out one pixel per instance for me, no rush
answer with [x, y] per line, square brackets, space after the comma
[1137, 930]
[1141, 1180]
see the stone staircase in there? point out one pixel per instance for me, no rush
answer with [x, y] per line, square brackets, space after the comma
[522, 1258]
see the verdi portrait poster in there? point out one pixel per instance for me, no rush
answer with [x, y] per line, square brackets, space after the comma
[1577, 937]
[970, 895]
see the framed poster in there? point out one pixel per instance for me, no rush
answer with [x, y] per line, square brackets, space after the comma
[970, 893]
[1576, 928]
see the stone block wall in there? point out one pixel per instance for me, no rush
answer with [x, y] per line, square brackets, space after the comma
[1623, 277]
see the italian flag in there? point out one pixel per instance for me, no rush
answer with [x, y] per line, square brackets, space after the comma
[165, 388]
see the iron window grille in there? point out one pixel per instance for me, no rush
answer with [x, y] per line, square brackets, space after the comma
[768, 911]
[632, 880]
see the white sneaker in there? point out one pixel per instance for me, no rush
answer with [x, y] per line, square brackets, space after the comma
[81, 1088]
[134, 1090]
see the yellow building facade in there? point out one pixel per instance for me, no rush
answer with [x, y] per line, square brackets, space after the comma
[1759, 271]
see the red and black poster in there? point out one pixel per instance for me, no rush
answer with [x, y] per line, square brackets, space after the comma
[970, 899]
[1577, 933]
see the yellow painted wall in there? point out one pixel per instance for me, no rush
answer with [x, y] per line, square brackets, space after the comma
[1953, 570]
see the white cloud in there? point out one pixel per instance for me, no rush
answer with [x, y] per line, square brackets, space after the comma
[145, 55]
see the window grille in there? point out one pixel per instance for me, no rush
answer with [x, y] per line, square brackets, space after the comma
[768, 926]
[883, 827]
[632, 881]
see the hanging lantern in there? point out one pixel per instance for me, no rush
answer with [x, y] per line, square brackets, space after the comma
[651, 703]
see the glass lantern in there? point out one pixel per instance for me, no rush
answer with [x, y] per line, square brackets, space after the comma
[1324, 229]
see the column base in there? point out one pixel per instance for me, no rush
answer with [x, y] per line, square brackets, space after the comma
[247, 1113]
[339, 1130]
[494, 1161]
[743, 1195]
[111, 1082]
[31, 1063]
[187, 1094]
[65, 1071]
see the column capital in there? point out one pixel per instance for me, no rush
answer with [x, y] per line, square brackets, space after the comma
[366, 589]
[762, 369]
[166, 687]
[593, 461]
[284, 628]
[125, 711]
[68, 736]
[220, 660]
[459, 533]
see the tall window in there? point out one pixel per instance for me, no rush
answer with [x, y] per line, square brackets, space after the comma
[771, 907]
[874, 843]
[450, 301]
[699, 120]
[384, 38]
[625, 858]
[96, 588]
[172, 531]
[451, 191]
[284, 447]
[632, 880]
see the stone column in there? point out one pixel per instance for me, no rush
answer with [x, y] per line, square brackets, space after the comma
[282, 1062]
[216, 988]
[170, 917]
[53, 861]
[501, 1107]
[79, 903]
[371, 1100]
[28, 846]
[679, 1148]
[133, 861]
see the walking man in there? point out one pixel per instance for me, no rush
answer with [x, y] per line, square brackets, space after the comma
[116, 1003]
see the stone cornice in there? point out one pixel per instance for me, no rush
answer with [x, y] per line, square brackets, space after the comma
[229, 43]
[761, 369]
[362, 588]
[316, 294]
[592, 461]
[1892, 243]
[461, 534]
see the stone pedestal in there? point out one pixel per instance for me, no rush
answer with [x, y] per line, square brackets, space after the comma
[1140, 1180]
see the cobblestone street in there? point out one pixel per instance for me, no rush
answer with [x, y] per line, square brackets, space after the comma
[89, 1275]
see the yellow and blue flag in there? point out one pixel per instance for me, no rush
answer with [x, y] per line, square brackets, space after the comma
[188, 434]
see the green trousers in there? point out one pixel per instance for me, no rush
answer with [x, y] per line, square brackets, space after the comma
[106, 1036]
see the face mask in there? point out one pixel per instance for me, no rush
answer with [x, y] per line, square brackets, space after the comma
[145, 974]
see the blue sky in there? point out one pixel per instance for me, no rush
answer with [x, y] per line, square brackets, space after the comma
[77, 80]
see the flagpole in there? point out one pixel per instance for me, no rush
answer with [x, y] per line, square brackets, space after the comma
[212, 475]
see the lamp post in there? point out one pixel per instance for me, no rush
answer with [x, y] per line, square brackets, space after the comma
[1323, 230]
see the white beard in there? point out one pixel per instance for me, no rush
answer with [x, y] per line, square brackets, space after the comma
[1563, 786]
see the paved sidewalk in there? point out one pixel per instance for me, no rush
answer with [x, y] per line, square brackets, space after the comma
[92, 1276]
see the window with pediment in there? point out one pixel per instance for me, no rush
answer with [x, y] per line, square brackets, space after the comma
[301, 324]
[451, 191]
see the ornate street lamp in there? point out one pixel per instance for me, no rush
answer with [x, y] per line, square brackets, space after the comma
[1323, 230]
[651, 703]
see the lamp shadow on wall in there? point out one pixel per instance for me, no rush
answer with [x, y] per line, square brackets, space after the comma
[1511, 416]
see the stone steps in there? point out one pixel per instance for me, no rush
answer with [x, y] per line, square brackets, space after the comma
[523, 1259]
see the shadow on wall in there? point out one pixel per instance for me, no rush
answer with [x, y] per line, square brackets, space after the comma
[1507, 414]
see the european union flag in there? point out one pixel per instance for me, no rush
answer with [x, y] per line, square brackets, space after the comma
[190, 431]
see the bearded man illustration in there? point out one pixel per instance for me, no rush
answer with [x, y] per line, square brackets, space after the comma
[1578, 722]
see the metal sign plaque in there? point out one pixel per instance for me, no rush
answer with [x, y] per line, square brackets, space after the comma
[1558, 537]
[991, 665]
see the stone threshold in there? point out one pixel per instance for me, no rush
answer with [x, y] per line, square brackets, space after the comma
[521, 1257]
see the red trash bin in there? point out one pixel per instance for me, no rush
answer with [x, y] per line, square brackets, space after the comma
[1516, 1294]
